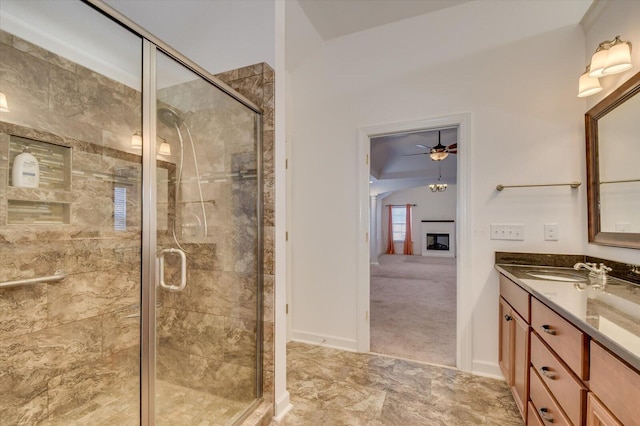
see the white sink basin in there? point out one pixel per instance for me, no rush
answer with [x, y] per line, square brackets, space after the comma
[556, 276]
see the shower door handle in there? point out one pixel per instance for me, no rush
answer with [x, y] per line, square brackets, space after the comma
[183, 269]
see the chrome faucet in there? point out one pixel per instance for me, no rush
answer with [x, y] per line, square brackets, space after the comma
[598, 272]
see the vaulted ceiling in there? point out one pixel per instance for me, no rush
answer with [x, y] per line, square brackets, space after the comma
[337, 18]
[398, 163]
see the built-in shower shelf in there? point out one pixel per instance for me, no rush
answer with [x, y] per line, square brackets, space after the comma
[39, 194]
[50, 203]
[20, 212]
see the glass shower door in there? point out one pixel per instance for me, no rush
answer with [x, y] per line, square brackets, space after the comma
[207, 246]
[70, 239]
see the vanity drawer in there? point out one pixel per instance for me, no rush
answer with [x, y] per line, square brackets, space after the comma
[533, 418]
[543, 403]
[616, 385]
[566, 389]
[517, 297]
[567, 341]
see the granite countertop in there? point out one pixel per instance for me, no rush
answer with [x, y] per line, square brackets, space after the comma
[610, 316]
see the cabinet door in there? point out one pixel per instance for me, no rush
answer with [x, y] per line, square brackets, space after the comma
[597, 413]
[520, 368]
[506, 330]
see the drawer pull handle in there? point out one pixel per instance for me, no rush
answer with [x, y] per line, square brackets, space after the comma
[544, 413]
[546, 372]
[508, 317]
[547, 329]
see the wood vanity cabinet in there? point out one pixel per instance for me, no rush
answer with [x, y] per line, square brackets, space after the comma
[614, 390]
[558, 373]
[514, 341]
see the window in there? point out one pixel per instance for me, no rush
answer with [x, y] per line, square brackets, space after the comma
[119, 209]
[399, 222]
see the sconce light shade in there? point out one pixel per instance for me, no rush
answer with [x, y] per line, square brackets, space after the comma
[438, 155]
[165, 148]
[4, 106]
[598, 62]
[588, 85]
[136, 140]
[619, 58]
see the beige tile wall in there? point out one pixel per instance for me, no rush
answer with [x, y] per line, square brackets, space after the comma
[63, 344]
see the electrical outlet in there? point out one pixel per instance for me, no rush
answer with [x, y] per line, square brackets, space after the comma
[551, 232]
[513, 231]
[622, 227]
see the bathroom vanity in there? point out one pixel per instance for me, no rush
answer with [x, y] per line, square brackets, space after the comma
[569, 347]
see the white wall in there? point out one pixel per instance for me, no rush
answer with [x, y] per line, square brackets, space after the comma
[611, 19]
[429, 206]
[514, 67]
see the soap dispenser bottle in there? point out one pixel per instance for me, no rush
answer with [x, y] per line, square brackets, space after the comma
[26, 170]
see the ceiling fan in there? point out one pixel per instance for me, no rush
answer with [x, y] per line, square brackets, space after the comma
[438, 152]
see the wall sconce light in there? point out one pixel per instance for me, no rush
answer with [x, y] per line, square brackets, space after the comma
[136, 140]
[165, 148]
[4, 106]
[438, 187]
[611, 57]
[588, 85]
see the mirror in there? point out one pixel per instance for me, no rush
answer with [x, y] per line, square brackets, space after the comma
[613, 167]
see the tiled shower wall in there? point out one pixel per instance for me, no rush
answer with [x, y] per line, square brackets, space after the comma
[207, 332]
[257, 83]
[64, 344]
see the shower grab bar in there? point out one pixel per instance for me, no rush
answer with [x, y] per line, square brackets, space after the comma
[183, 269]
[59, 275]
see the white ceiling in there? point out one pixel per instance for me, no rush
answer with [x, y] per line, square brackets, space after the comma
[394, 168]
[337, 18]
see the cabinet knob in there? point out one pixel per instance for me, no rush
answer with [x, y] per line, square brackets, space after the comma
[546, 416]
[546, 372]
[547, 329]
[508, 317]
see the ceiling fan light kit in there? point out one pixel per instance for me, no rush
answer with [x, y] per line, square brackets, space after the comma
[611, 57]
[438, 155]
[438, 152]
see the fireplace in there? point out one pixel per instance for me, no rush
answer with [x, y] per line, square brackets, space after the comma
[437, 241]
[438, 238]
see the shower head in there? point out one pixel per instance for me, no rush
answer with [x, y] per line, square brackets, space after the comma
[169, 117]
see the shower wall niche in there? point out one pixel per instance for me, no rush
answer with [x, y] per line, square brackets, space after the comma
[49, 202]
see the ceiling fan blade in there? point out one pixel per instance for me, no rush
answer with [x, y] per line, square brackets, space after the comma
[423, 146]
[420, 153]
[453, 147]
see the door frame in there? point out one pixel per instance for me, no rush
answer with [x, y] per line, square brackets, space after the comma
[464, 299]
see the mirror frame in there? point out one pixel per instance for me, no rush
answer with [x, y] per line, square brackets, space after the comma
[616, 98]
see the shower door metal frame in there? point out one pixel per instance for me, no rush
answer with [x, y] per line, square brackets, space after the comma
[149, 236]
[150, 46]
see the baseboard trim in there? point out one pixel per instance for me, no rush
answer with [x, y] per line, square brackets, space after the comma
[321, 340]
[487, 369]
[282, 407]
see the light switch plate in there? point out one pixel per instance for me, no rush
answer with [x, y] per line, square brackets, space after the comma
[507, 231]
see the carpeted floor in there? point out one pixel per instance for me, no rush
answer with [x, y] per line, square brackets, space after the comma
[413, 308]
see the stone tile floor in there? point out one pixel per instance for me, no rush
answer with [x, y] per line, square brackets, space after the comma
[175, 406]
[332, 387]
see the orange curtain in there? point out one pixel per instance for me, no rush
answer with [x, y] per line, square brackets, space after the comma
[390, 249]
[408, 244]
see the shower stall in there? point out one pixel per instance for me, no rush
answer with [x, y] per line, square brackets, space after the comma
[131, 272]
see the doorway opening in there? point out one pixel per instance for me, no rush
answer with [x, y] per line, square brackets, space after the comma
[413, 260]
[370, 228]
